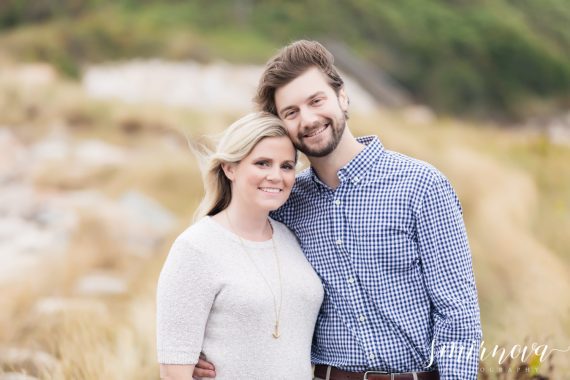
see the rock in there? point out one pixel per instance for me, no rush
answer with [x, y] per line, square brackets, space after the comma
[32, 221]
[23, 246]
[147, 223]
[17, 200]
[56, 147]
[33, 225]
[96, 153]
[101, 284]
[54, 305]
[136, 222]
[12, 156]
[84, 155]
[16, 376]
[29, 75]
[32, 228]
[558, 132]
[214, 87]
[25, 237]
[143, 208]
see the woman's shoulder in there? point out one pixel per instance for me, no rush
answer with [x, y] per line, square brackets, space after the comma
[283, 230]
[200, 235]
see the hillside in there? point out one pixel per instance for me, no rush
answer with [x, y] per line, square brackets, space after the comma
[487, 59]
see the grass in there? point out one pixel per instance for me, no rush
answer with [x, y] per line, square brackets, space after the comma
[513, 186]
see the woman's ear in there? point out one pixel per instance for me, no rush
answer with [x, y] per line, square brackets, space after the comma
[229, 170]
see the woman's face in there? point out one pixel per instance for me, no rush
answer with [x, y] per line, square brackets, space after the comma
[263, 179]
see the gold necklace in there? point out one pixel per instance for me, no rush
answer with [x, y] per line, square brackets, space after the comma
[277, 309]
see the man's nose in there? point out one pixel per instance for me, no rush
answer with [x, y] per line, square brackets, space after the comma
[308, 118]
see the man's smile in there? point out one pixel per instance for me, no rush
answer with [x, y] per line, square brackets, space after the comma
[316, 131]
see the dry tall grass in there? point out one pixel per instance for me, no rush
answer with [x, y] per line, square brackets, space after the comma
[516, 234]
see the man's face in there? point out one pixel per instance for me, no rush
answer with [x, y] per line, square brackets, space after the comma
[312, 112]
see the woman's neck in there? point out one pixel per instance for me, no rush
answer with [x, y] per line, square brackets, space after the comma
[245, 223]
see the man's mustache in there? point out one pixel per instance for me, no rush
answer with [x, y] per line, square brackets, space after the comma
[316, 125]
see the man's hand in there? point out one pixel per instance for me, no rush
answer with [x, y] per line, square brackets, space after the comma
[204, 368]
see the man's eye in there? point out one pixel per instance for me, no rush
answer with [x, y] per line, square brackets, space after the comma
[317, 100]
[289, 114]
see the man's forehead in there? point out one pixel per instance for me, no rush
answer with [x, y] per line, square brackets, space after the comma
[302, 87]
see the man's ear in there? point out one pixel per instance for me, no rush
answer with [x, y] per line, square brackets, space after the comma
[343, 100]
[229, 170]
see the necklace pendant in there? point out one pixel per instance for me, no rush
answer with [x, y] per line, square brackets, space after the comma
[276, 333]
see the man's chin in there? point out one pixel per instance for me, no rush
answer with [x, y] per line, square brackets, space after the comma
[316, 150]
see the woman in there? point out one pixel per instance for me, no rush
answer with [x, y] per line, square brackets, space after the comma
[235, 285]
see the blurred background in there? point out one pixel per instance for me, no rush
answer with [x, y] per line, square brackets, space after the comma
[98, 98]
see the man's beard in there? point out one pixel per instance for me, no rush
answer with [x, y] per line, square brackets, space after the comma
[337, 127]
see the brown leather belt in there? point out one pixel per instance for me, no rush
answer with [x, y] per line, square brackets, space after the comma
[338, 374]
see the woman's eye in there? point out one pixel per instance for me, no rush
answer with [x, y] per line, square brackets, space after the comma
[262, 163]
[288, 167]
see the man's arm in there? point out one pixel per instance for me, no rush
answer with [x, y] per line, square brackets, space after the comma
[446, 260]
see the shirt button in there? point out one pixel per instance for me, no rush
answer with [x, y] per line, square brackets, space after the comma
[350, 280]
[339, 242]
[362, 318]
[371, 356]
[337, 202]
[355, 179]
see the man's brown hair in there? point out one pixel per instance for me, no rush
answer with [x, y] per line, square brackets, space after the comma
[292, 61]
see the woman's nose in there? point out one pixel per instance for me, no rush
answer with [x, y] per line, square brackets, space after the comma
[274, 174]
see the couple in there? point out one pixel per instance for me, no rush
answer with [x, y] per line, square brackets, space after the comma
[389, 292]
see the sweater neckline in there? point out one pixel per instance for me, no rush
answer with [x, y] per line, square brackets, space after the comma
[266, 244]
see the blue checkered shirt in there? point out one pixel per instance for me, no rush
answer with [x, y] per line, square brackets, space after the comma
[390, 247]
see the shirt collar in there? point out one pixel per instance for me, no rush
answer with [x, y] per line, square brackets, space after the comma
[356, 169]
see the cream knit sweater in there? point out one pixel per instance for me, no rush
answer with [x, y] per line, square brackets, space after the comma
[211, 299]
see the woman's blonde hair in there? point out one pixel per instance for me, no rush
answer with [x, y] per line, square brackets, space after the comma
[234, 145]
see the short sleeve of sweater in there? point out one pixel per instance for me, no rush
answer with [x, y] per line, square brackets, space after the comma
[185, 294]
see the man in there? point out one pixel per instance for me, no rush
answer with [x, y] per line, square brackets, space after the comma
[383, 231]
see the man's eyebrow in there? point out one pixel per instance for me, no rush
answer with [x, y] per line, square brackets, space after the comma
[308, 98]
[285, 109]
[316, 94]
